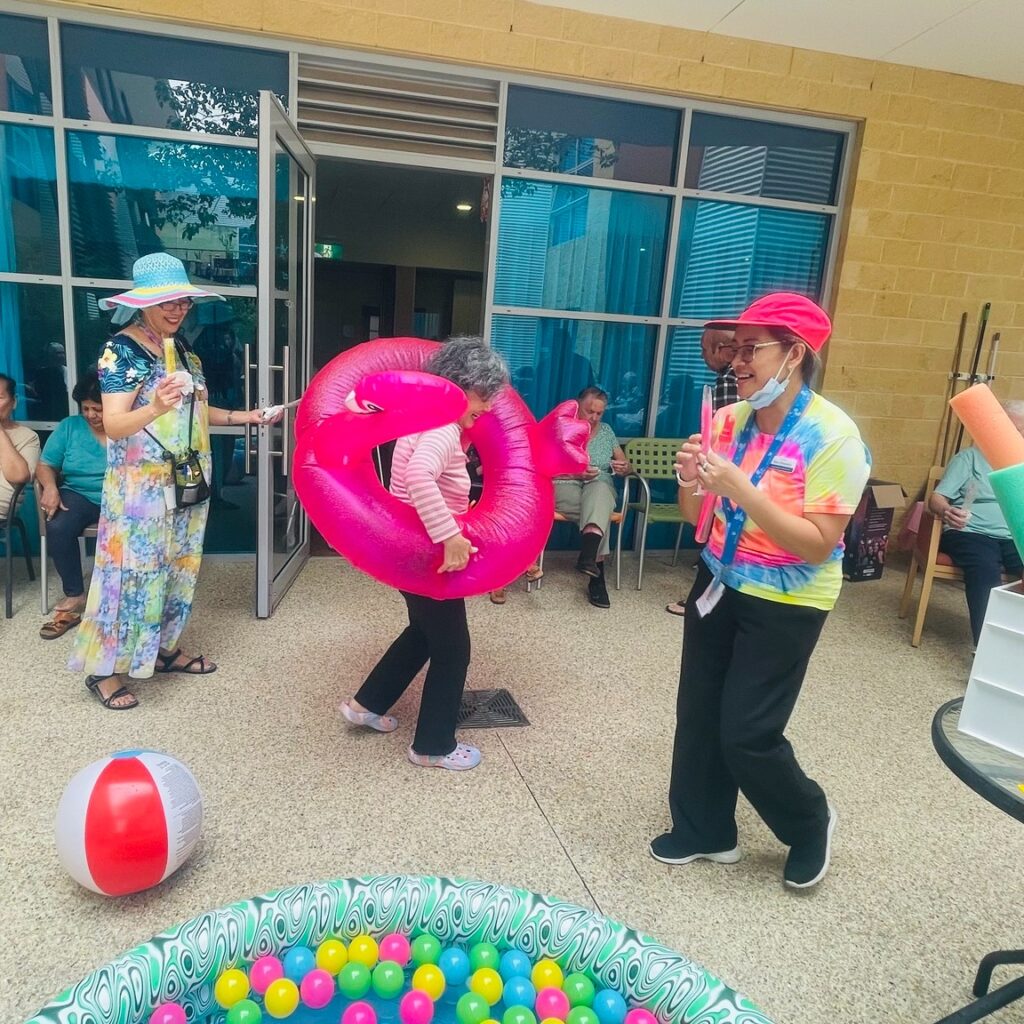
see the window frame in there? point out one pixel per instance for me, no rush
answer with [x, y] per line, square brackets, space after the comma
[688, 105]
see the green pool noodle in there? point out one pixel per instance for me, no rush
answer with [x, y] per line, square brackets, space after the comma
[1008, 485]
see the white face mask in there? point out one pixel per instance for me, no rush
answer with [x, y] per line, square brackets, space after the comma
[771, 391]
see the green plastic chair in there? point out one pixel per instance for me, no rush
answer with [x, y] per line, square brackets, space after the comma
[652, 458]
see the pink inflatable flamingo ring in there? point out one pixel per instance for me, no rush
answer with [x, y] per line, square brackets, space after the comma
[377, 392]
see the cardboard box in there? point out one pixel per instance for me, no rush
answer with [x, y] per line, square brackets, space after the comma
[867, 534]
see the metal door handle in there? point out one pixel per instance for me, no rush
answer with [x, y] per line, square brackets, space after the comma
[286, 363]
[247, 398]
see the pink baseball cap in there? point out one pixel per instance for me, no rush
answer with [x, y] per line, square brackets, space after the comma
[796, 313]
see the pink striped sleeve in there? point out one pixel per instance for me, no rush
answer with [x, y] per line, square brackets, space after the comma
[432, 455]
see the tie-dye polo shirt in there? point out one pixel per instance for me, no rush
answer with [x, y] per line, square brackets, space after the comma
[822, 467]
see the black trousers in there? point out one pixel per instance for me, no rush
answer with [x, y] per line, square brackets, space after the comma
[982, 560]
[742, 669]
[62, 533]
[439, 633]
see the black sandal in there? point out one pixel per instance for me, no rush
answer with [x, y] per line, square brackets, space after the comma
[165, 663]
[93, 684]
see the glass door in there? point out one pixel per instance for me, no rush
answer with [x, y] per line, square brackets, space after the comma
[284, 346]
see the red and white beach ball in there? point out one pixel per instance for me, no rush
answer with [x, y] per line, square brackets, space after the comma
[128, 821]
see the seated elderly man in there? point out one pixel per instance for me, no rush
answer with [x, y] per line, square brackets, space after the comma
[974, 532]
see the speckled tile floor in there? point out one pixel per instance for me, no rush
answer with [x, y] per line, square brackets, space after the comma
[926, 876]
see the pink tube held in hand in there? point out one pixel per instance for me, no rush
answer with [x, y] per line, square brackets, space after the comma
[708, 505]
[991, 429]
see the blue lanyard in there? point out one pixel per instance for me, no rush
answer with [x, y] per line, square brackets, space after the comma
[735, 516]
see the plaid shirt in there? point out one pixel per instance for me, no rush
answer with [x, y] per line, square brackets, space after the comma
[724, 389]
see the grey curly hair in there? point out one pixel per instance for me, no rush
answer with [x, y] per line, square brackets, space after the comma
[472, 364]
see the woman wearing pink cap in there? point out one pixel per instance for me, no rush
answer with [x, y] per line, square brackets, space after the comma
[786, 470]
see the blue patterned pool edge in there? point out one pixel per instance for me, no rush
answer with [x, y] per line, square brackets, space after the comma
[183, 963]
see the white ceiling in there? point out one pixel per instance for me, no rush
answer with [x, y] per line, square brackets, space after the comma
[982, 38]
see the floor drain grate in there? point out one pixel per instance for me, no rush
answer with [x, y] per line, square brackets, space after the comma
[489, 709]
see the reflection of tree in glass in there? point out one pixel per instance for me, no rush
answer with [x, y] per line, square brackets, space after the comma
[538, 150]
[207, 182]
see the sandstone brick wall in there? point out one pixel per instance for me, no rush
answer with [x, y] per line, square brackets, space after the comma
[936, 219]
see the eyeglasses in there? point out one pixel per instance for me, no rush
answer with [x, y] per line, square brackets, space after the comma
[170, 307]
[745, 353]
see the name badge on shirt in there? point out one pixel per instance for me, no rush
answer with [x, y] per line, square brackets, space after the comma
[783, 464]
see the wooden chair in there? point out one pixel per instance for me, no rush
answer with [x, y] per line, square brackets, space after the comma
[929, 561]
[13, 521]
[616, 520]
[44, 568]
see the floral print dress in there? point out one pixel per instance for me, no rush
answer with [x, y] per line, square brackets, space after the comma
[147, 555]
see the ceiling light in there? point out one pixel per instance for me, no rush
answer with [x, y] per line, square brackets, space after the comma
[463, 207]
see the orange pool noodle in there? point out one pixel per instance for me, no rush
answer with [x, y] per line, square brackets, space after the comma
[987, 423]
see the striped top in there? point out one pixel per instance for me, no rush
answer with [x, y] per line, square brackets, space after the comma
[428, 471]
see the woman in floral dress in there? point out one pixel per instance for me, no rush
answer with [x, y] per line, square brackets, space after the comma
[148, 551]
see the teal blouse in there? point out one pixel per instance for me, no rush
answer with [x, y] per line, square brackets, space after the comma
[75, 452]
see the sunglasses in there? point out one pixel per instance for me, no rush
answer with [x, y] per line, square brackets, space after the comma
[170, 307]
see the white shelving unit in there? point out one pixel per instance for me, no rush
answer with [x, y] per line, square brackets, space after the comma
[994, 706]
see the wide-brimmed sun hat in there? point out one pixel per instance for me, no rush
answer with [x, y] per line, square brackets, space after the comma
[796, 313]
[158, 277]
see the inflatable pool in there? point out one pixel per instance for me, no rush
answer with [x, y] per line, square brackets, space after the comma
[182, 966]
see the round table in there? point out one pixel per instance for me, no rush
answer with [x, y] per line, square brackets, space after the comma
[998, 776]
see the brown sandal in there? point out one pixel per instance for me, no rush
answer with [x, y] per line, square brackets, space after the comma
[498, 596]
[61, 622]
[534, 573]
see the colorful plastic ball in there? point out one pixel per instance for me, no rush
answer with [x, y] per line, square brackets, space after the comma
[264, 972]
[484, 954]
[609, 1006]
[317, 988]
[581, 1015]
[388, 979]
[363, 950]
[231, 987]
[282, 998]
[491, 1020]
[245, 1012]
[580, 990]
[428, 978]
[331, 956]
[168, 1013]
[425, 949]
[514, 964]
[128, 821]
[546, 974]
[455, 965]
[472, 1008]
[416, 1008]
[518, 1015]
[298, 962]
[638, 1015]
[519, 992]
[395, 947]
[354, 980]
[359, 1013]
[552, 1020]
[487, 982]
[552, 1002]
